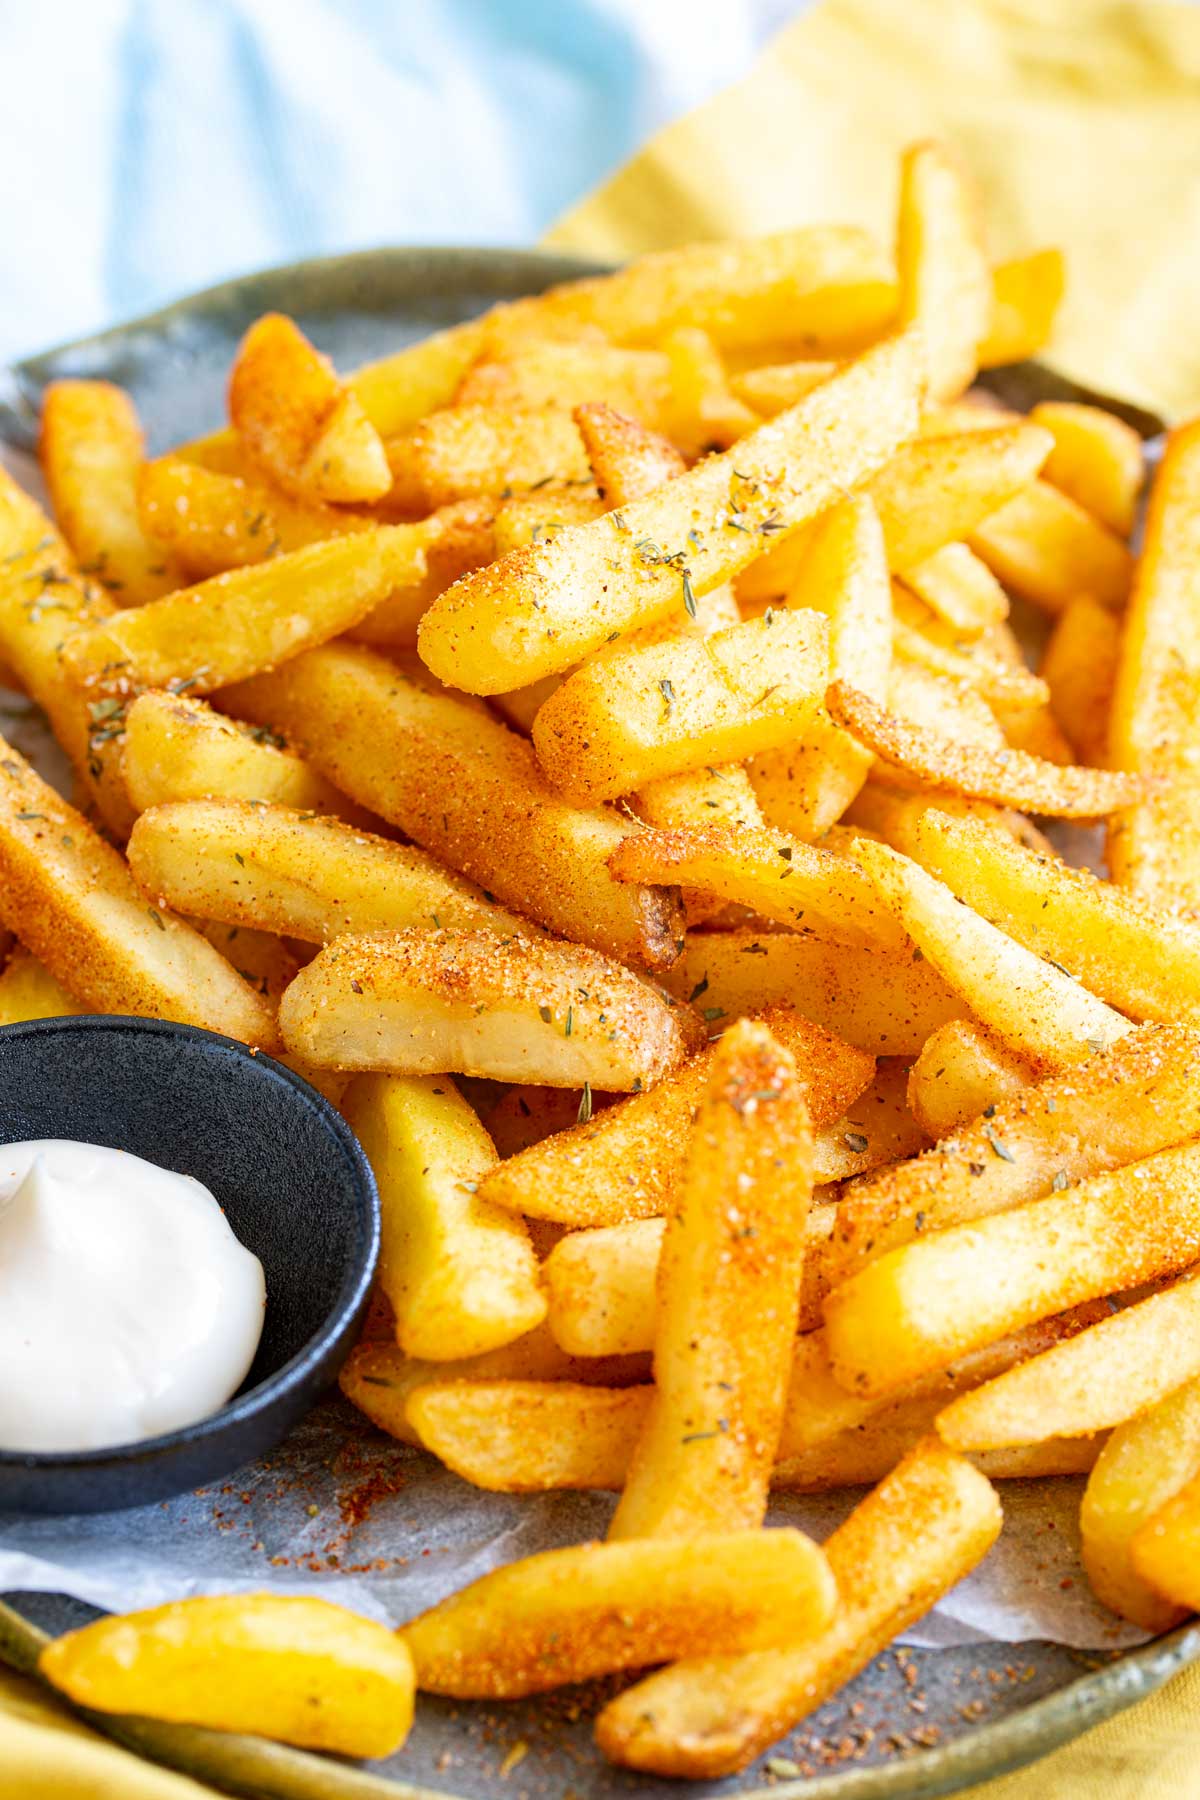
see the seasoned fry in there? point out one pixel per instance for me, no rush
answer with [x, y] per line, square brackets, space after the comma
[528, 518]
[306, 429]
[945, 285]
[703, 412]
[701, 798]
[530, 1437]
[305, 877]
[878, 1128]
[1010, 778]
[1045, 547]
[958, 588]
[542, 372]
[282, 1666]
[1026, 296]
[1165, 1551]
[734, 1240]
[905, 1545]
[1079, 667]
[962, 1069]
[627, 460]
[458, 538]
[29, 991]
[91, 453]
[538, 611]
[467, 790]
[213, 521]
[1013, 695]
[473, 1003]
[1097, 459]
[773, 387]
[467, 450]
[917, 1307]
[568, 1615]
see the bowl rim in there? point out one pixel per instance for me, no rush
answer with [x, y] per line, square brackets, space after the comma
[352, 1291]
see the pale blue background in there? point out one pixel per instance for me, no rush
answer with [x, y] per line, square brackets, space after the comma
[150, 147]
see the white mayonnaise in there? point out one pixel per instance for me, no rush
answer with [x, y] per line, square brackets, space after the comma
[127, 1306]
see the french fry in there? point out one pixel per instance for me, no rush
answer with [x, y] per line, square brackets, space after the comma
[91, 450]
[918, 1307]
[282, 1666]
[1126, 1104]
[879, 1128]
[537, 373]
[881, 1002]
[1047, 548]
[734, 1239]
[634, 716]
[906, 1544]
[298, 422]
[1165, 1551]
[627, 461]
[528, 518]
[29, 991]
[958, 588]
[945, 285]
[1145, 1464]
[711, 797]
[624, 1163]
[463, 451]
[931, 702]
[1012, 694]
[568, 1615]
[458, 538]
[1154, 849]
[288, 872]
[530, 1437]
[538, 611]
[1079, 666]
[236, 625]
[467, 790]
[1026, 296]
[1107, 1374]
[460, 1273]
[868, 1454]
[773, 387]
[919, 756]
[82, 914]
[1097, 459]
[703, 413]
[259, 957]
[472, 1003]
[526, 1116]
[962, 1069]
[214, 521]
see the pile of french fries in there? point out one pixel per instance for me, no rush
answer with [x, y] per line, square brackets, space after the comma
[617, 698]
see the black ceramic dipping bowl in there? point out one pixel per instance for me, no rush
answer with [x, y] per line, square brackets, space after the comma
[296, 1189]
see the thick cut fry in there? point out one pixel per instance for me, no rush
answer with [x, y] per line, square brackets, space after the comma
[473, 1003]
[458, 538]
[1097, 459]
[527, 1115]
[299, 423]
[869, 1453]
[29, 991]
[879, 1128]
[903, 1547]
[1141, 1469]
[918, 1307]
[283, 1666]
[627, 460]
[176, 748]
[945, 285]
[564, 374]
[304, 877]
[530, 1437]
[1155, 847]
[1108, 1374]
[538, 611]
[1045, 547]
[624, 1163]
[703, 412]
[880, 1001]
[634, 716]
[468, 450]
[213, 521]
[529, 518]
[1080, 669]
[1143, 961]
[734, 1241]
[569, 1615]
[83, 915]
[962, 1070]
[1026, 296]
[91, 454]
[701, 798]
[460, 1274]
[959, 589]
[466, 789]
[1013, 694]
[773, 387]
[1008, 777]
[1165, 1551]
[249, 620]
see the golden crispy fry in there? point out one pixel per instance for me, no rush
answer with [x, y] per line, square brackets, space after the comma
[712, 797]
[703, 412]
[905, 1545]
[213, 521]
[932, 703]
[528, 518]
[458, 538]
[83, 915]
[634, 716]
[867, 1453]
[1045, 547]
[1165, 1551]
[1141, 1469]
[568, 1615]
[91, 453]
[282, 1666]
[1079, 666]
[460, 1274]
[627, 460]
[29, 991]
[466, 789]
[535, 373]
[958, 588]
[528, 1115]
[1026, 295]
[1145, 962]
[1010, 778]
[306, 429]
[261, 958]
[249, 620]
[1155, 847]
[945, 284]
[1097, 459]
[530, 1437]
[733, 1241]
[773, 387]
[467, 450]
[962, 1069]
[538, 611]
[1010, 693]
[311, 878]
[879, 1128]
[918, 1307]
[469, 1002]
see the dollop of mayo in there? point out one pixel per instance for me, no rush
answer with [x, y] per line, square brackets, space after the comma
[127, 1305]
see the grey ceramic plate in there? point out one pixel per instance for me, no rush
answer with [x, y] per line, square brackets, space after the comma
[928, 1722]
